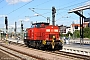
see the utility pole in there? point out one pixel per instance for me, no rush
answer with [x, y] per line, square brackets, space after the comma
[73, 30]
[81, 28]
[21, 30]
[48, 19]
[53, 15]
[15, 29]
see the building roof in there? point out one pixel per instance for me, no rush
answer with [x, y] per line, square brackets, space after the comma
[84, 24]
[75, 25]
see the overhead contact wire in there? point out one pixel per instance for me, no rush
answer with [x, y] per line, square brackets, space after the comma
[20, 7]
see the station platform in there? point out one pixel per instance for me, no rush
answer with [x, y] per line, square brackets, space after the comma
[77, 48]
[15, 40]
[85, 41]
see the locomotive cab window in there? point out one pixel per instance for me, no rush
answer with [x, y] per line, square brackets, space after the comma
[33, 26]
[41, 24]
[38, 25]
[51, 36]
[76, 27]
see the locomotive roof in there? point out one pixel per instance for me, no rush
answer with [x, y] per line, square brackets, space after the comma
[41, 23]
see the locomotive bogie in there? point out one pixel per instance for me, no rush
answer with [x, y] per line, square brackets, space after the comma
[44, 45]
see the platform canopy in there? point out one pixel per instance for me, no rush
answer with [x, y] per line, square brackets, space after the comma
[76, 10]
[80, 8]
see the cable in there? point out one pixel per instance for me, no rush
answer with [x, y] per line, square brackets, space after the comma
[36, 8]
[32, 8]
[39, 9]
[72, 5]
[25, 5]
[3, 6]
[42, 9]
[56, 9]
[38, 13]
[20, 7]
[60, 8]
[20, 14]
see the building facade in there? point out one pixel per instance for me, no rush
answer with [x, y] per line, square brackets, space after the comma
[72, 28]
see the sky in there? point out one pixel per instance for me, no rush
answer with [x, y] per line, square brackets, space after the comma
[38, 10]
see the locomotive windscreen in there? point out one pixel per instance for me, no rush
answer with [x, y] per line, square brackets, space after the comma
[51, 36]
[39, 24]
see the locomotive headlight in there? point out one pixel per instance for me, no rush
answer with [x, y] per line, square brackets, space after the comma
[47, 30]
[53, 36]
[55, 30]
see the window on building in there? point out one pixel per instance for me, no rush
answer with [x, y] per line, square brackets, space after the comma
[88, 24]
[76, 27]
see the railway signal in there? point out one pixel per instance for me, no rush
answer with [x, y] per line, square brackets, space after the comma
[22, 30]
[6, 23]
[22, 26]
[53, 15]
[53, 10]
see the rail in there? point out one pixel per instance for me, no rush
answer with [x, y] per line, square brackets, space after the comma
[19, 52]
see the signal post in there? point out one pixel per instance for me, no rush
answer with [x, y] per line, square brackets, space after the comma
[21, 30]
[53, 15]
[6, 23]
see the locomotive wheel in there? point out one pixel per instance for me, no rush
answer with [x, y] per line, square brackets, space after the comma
[26, 43]
[41, 46]
[37, 45]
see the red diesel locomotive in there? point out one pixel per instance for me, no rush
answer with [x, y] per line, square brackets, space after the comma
[43, 36]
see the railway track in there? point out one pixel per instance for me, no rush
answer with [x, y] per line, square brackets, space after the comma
[19, 55]
[69, 54]
[58, 53]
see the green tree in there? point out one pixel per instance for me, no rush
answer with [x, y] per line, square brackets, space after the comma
[86, 32]
[68, 34]
[76, 34]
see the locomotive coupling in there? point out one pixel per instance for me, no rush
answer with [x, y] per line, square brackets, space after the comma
[53, 43]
